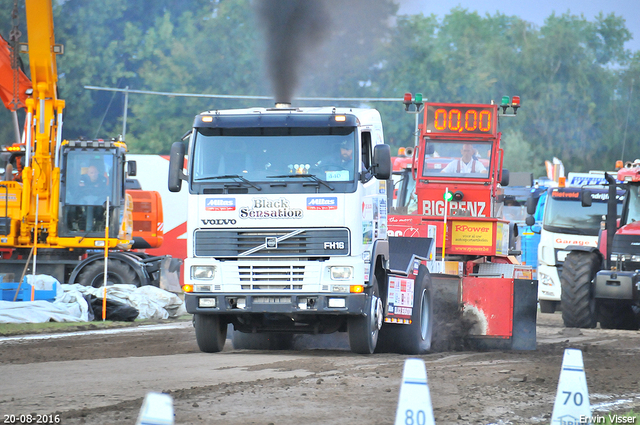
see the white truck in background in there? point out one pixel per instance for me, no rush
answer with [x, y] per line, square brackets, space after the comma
[565, 223]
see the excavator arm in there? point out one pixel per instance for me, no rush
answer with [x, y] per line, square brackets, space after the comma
[41, 172]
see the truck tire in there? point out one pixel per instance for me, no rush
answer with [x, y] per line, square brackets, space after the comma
[578, 305]
[118, 272]
[262, 341]
[416, 337]
[547, 306]
[211, 332]
[364, 330]
[617, 315]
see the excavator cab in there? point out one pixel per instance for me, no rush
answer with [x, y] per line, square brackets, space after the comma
[92, 172]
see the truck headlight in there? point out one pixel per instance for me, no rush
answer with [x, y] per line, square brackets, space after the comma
[341, 272]
[203, 272]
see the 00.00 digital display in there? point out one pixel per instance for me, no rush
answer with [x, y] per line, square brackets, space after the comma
[459, 119]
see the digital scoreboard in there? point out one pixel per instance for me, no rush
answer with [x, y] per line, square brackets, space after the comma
[442, 118]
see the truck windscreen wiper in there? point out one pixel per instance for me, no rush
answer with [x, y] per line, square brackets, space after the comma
[230, 176]
[311, 176]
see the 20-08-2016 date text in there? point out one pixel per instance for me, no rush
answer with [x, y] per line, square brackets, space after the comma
[31, 419]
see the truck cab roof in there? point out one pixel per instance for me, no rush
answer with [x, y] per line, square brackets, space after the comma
[296, 117]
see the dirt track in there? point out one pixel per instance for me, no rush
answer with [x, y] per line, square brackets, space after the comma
[102, 379]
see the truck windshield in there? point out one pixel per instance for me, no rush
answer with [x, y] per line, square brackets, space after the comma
[468, 159]
[564, 212]
[634, 204]
[271, 154]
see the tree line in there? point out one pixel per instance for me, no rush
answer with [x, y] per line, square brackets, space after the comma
[574, 76]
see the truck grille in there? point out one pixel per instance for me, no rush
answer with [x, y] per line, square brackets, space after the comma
[253, 243]
[271, 277]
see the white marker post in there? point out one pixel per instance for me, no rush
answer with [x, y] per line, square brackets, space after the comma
[106, 261]
[447, 197]
[572, 399]
[414, 404]
[157, 409]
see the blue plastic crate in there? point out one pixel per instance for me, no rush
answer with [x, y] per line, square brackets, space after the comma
[8, 290]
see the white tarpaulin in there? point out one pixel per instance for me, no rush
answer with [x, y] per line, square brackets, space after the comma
[70, 305]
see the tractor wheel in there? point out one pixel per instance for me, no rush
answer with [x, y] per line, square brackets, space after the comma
[414, 338]
[118, 272]
[211, 332]
[364, 330]
[578, 305]
[616, 315]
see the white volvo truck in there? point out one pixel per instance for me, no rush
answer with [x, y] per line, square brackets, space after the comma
[287, 230]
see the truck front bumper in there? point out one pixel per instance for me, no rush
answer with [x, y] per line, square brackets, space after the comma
[242, 303]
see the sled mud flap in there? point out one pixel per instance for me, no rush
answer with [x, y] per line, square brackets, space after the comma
[525, 296]
[170, 275]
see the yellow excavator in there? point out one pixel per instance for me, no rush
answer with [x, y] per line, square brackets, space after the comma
[57, 194]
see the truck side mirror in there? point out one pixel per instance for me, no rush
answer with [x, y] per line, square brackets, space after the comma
[530, 221]
[504, 181]
[531, 206]
[132, 168]
[586, 198]
[176, 163]
[382, 162]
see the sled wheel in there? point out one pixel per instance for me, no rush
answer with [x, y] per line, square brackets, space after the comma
[414, 338]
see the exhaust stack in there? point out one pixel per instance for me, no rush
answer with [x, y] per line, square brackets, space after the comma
[283, 105]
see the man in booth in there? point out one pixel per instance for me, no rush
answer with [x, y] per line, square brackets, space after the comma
[468, 163]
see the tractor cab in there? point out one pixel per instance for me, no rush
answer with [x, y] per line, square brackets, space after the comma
[457, 177]
[459, 153]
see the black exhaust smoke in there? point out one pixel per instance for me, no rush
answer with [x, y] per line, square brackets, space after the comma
[293, 28]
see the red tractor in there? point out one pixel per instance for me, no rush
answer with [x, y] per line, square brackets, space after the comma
[453, 193]
[602, 284]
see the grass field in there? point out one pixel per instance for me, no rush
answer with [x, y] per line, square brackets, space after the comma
[10, 329]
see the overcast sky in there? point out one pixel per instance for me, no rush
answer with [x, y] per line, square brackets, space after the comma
[536, 11]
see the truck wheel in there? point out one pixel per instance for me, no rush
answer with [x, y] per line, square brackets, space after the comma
[118, 272]
[262, 341]
[363, 330]
[211, 332]
[578, 305]
[547, 306]
[416, 337]
[617, 316]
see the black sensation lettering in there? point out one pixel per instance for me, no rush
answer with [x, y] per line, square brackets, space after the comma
[442, 118]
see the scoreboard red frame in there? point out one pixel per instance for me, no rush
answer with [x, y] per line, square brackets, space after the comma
[461, 119]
